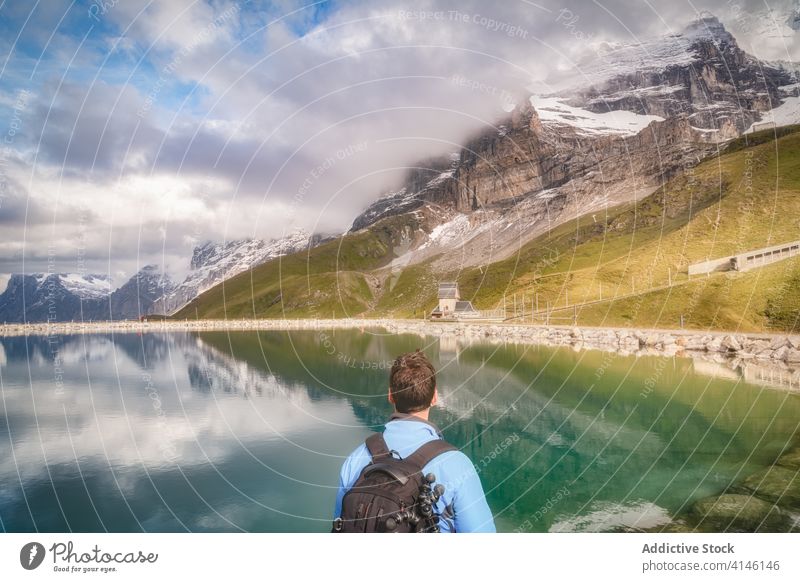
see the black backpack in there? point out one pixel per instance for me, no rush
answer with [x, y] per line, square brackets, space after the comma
[391, 494]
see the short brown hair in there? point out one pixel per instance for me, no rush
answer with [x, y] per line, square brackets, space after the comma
[412, 382]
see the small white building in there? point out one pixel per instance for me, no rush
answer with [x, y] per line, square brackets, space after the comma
[451, 305]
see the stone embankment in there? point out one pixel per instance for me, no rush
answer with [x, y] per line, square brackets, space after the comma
[774, 347]
[783, 348]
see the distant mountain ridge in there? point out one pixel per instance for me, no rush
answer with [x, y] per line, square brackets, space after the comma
[75, 297]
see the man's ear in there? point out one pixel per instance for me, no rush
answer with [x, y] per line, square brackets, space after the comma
[435, 397]
[391, 400]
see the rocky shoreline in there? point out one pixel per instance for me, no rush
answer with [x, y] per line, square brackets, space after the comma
[767, 359]
[775, 347]
[744, 346]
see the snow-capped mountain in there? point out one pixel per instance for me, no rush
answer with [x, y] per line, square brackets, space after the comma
[701, 73]
[86, 286]
[632, 116]
[389, 204]
[76, 297]
[647, 56]
[421, 182]
[43, 297]
[73, 297]
[212, 263]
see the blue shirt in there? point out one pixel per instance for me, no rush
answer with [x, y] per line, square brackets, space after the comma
[463, 505]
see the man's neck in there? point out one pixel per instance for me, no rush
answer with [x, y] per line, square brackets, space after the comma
[422, 414]
[417, 417]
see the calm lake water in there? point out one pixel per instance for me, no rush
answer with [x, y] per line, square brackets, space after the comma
[246, 431]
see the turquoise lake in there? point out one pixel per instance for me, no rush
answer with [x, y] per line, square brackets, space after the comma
[246, 431]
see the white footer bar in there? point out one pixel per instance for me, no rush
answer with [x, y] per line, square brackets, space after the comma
[152, 557]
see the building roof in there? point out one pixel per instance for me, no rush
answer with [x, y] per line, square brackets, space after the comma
[448, 291]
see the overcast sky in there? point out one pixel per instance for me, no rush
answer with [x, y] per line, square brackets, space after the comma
[134, 130]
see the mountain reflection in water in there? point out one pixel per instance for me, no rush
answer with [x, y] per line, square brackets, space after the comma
[247, 431]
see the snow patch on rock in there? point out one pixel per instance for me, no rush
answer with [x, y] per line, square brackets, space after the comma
[456, 232]
[85, 286]
[787, 113]
[555, 111]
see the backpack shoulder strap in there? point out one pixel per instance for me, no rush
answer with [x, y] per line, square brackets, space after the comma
[429, 451]
[376, 445]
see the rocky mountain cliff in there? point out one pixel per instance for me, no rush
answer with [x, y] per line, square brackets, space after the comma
[639, 115]
[701, 73]
[529, 174]
[142, 295]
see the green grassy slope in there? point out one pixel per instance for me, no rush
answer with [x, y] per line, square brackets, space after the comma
[747, 198]
[327, 281]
